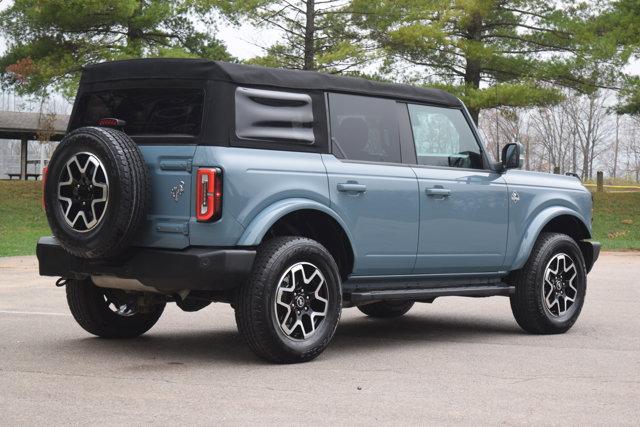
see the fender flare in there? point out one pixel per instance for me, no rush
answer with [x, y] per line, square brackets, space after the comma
[261, 223]
[535, 228]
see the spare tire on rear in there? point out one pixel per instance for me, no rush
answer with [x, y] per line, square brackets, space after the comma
[97, 192]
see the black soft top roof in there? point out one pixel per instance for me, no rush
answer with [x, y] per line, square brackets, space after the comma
[202, 69]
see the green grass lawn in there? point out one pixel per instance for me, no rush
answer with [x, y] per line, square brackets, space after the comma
[616, 220]
[22, 220]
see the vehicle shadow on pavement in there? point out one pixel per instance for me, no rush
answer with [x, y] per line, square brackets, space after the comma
[380, 333]
[173, 348]
[161, 348]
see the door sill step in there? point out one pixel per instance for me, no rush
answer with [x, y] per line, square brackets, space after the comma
[359, 297]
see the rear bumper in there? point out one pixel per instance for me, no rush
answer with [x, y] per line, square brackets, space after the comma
[191, 268]
[591, 252]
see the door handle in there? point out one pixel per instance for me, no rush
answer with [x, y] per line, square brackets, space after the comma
[352, 187]
[438, 191]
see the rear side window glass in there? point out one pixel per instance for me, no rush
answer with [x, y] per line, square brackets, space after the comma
[443, 138]
[364, 128]
[149, 111]
[268, 115]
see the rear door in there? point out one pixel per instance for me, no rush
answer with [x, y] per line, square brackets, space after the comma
[463, 205]
[165, 120]
[372, 191]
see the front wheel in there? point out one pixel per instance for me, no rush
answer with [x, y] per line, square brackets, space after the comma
[110, 313]
[289, 309]
[551, 287]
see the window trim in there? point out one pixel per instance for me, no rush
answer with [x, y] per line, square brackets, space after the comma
[407, 143]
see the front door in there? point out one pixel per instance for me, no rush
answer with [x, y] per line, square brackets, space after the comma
[463, 206]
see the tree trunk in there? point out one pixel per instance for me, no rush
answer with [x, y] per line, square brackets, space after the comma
[472, 79]
[593, 146]
[473, 69]
[475, 115]
[616, 146]
[585, 164]
[574, 158]
[309, 35]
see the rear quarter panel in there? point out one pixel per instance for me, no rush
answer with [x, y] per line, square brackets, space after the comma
[254, 180]
[542, 197]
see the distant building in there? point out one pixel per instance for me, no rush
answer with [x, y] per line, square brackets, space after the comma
[20, 151]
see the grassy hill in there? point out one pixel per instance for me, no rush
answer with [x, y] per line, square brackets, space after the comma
[616, 220]
[22, 221]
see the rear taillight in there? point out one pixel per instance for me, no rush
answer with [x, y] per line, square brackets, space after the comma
[45, 170]
[208, 194]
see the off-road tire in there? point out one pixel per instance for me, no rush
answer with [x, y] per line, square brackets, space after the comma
[386, 309]
[92, 313]
[527, 303]
[255, 316]
[128, 192]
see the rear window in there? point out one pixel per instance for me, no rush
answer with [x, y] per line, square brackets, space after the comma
[365, 128]
[150, 111]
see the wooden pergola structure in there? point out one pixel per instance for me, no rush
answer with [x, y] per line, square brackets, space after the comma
[25, 127]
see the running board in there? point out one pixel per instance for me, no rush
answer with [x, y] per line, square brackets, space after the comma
[360, 297]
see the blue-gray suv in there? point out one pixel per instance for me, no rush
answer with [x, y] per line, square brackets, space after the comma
[291, 195]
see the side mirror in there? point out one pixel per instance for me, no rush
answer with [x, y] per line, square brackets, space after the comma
[511, 156]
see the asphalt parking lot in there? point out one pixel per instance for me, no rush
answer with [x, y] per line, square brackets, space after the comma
[456, 361]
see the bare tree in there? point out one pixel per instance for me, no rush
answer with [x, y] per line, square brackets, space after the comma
[616, 148]
[501, 126]
[593, 127]
[577, 135]
[630, 146]
[555, 131]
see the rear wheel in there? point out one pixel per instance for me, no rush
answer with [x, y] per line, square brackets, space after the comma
[110, 313]
[551, 287]
[289, 309]
[386, 309]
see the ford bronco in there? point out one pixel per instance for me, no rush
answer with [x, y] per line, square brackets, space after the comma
[292, 195]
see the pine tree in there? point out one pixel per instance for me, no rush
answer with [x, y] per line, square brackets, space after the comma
[50, 40]
[316, 34]
[492, 52]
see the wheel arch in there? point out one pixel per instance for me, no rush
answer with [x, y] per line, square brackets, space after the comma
[305, 218]
[558, 220]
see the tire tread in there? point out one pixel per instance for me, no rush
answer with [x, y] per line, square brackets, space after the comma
[81, 298]
[526, 305]
[134, 183]
[252, 322]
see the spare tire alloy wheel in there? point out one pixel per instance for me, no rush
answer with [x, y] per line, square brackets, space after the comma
[83, 192]
[97, 192]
